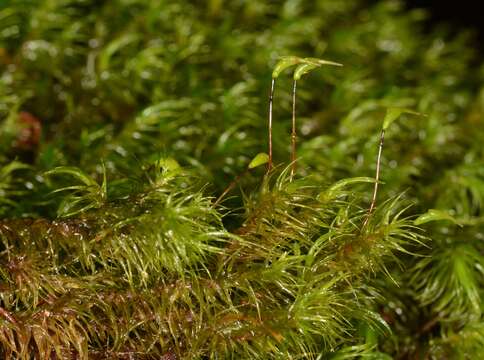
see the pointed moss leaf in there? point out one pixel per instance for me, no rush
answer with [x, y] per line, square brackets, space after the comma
[11, 167]
[377, 322]
[304, 69]
[317, 61]
[113, 47]
[394, 113]
[258, 160]
[284, 63]
[434, 215]
[333, 190]
[342, 183]
[75, 172]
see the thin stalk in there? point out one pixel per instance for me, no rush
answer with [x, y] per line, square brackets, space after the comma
[377, 178]
[7, 315]
[293, 133]
[271, 99]
[230, 187]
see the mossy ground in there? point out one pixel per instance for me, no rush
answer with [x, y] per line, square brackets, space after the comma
[122, 122]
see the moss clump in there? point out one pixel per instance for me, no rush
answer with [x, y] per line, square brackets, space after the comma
[122, 122]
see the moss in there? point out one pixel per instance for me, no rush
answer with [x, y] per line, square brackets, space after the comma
[123, 122]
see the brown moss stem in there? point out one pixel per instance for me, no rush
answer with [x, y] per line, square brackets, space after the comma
[293, 132]
[271, 100]
[377, 178]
